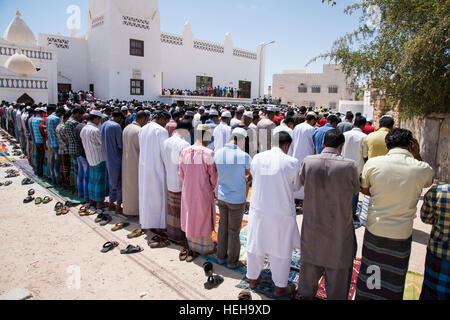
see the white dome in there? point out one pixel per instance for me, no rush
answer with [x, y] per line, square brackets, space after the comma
[19, 63]
[18, 31]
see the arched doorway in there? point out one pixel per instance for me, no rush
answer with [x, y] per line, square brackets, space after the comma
[25, 99]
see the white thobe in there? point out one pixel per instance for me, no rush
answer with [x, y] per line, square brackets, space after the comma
[152, 177]
[171, 156]
[285, 128]
[303, 146]
[222, 134]
[355, 147]
[272, 224]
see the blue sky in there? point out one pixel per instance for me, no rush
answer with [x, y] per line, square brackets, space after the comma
[302, 29]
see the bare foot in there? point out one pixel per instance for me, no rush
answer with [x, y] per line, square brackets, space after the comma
[254, 283]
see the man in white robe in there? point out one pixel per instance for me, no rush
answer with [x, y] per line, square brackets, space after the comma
[272, 224]
[222, 133]
[303, 144]
[152, 174]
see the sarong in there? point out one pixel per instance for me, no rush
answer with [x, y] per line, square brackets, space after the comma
[204, 246]
[173, 219]
[436, 282]
[392, 258]
[34, 158]
[65, 170]
[98, 186]
[73, 172]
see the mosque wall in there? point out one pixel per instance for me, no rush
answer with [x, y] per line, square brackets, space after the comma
[185, 57]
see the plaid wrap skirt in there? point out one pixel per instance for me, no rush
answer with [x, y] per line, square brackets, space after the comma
[436, 282]
[98, 182]
[173, 219]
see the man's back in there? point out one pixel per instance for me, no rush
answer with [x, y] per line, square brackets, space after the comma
[395, 182]
[112, 141]
[376, 143]
[330, 182]
[355, 147]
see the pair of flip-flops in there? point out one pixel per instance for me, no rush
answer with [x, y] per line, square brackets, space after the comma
[27, 181]
[119, 226]
[103, 219]
[7, 183]
[86, 211]
[5, 165]
[12, 175]
[135, 233]
[60, 209]
[159, 242]
[44, 200]
[213, 281]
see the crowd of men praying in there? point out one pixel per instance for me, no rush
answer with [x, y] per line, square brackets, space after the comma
[169, 166]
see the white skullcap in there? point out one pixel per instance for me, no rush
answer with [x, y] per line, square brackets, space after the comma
[239, 131]
[271, 109]
[124, 108]
[248, 114]
[213, 112]
[96, 113]
[226, 114]
[240, 108]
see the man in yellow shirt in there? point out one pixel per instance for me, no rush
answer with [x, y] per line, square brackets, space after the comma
[376, 140]
[395, 183]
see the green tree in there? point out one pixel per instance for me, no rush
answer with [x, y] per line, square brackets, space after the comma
[400, 47]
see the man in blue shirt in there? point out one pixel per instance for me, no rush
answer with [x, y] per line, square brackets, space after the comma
[213, 122]
[52, 122]
[233, 166]
[319, 134]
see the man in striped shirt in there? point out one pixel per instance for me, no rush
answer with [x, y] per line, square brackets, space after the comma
[91, 138]
[69, 131]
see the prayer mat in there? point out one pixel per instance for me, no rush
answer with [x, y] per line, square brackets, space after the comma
[5, 156]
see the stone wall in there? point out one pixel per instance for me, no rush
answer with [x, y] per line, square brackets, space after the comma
[432, 132]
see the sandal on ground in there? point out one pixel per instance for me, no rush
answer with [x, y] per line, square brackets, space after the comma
[131, 249]
[245, 295]
[8, 183]
[46, 200]
[28, 199]
[83, 211]
[58, 208]
[105, 220]
[120, 226]
[135, 233]
[65, 210]
[38, 200]
[163, 243]
[109, 246]
[192, 256]
[208, 268]
[213, 282]
[183, 254]
[12, 175]
[31, 192]
[99, 218]
[70, 204]
[27, 181]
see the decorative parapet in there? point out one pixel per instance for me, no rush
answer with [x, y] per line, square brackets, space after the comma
[171, 39]
[208, 46]
[136, 22]
[98, 21]
[12, 83]
[32, 54]
[245, 54]
[57, 42]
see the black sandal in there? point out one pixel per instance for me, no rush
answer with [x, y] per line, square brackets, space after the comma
[131, 249]
[105, 220]
[109, 246]
[208, 268]
[213, 282]
[27, 181]
[28, 199]
[31, 192]
[8, 183]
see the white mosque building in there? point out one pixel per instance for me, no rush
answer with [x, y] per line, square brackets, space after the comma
[124, 55]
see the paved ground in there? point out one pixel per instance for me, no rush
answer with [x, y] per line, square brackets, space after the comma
[44, 253]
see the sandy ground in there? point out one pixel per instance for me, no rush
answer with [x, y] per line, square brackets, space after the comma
[44, 253]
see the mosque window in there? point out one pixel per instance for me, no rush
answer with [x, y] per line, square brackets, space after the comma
[302, 89]
[136, 48]
[245, 54]
[136, 22]
[315, 89]
[332, 89]
[136, 87]
[208, 46]
[58, 42]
